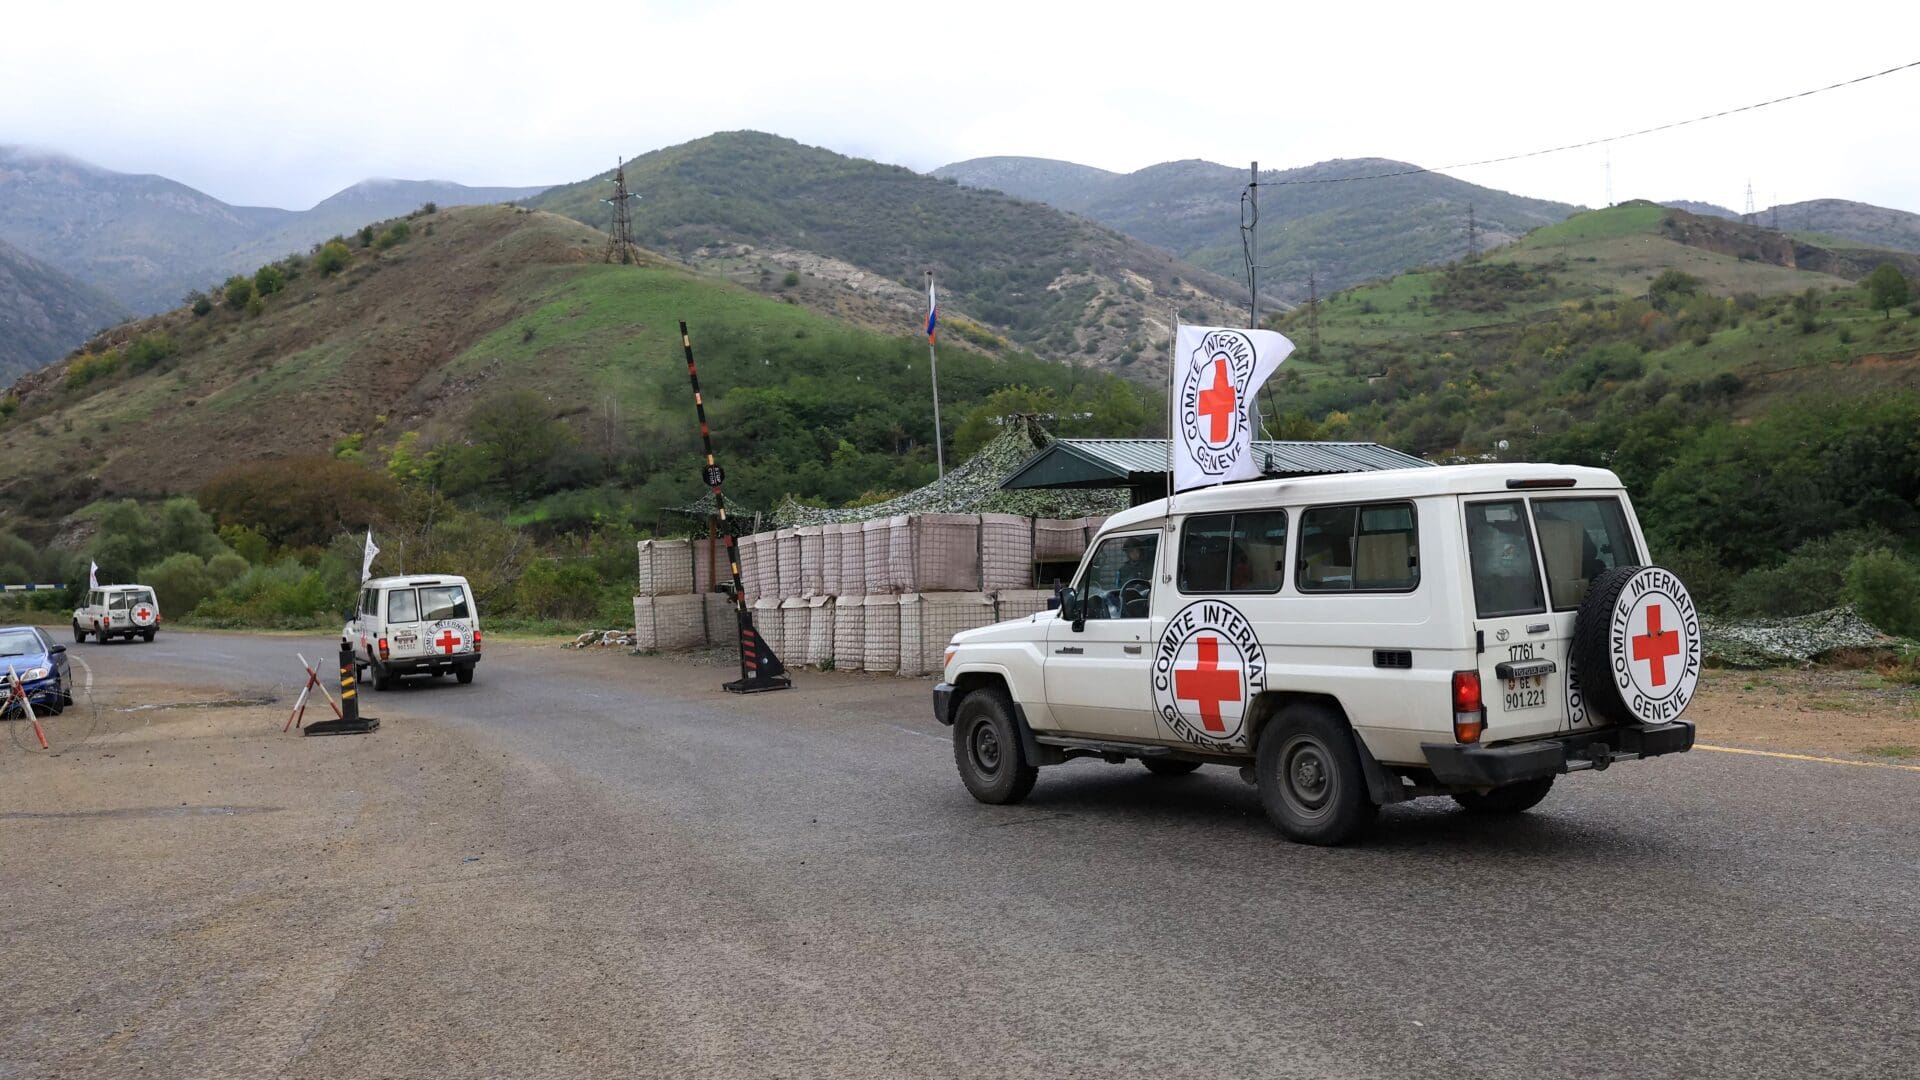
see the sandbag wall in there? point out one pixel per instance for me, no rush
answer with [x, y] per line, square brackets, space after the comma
[887, 595]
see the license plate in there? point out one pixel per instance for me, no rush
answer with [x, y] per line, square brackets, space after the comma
[1527, 693]
[406, 639]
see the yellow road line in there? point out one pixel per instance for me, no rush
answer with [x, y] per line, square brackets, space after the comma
[1808, 757]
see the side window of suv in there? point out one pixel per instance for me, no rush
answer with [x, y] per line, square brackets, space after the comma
[1372, 547]
[1234, 553]
[1118, 583]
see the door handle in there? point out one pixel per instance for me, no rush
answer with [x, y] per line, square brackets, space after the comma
[1069, 650]
[1131, 649]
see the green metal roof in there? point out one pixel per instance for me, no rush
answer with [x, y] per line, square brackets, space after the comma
[1119, 463]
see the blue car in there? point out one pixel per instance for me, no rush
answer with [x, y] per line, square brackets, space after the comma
[42, 667]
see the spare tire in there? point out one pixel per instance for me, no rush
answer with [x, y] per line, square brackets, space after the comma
[1636, 646]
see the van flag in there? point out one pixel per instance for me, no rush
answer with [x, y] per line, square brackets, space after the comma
[93, 574]
[366, 564]
[1216, 372]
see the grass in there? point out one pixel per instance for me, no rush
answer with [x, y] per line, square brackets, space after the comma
[1892, 751]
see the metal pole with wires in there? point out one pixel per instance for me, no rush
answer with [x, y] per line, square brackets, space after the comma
[1250, 249]
[933, 369]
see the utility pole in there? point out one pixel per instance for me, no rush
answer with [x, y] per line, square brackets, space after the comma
[1609, 170]
[1313, 313]
[1253, 249]
[1473, 235]
[1748, 217]
[620, 246]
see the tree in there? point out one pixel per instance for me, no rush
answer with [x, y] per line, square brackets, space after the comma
[518, 436]
[332, 257]
[239, 290]
[1887, 288]
[269, 279]
[300, 500]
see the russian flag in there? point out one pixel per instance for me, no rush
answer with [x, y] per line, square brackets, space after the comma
[933, 310]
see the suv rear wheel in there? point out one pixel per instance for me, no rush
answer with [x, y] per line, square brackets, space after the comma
[1311, 781]
[1507, 799]
[986, 749]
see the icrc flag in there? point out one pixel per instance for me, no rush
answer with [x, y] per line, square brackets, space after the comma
[93, 574]
[366, 564]
[1216, 372]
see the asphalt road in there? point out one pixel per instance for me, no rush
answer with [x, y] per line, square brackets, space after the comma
[677, 882]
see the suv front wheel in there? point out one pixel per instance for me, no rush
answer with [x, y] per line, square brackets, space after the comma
[1310, 778]
[986, 749]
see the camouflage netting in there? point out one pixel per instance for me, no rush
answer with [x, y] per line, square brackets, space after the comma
[974, 488]
[1798, 640]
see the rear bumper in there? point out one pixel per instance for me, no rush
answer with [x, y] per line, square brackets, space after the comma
[416, 665]
[1493, 766]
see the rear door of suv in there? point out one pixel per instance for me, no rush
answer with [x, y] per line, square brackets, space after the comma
[1532, 558]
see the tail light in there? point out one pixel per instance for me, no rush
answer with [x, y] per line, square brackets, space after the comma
[106, 621]
[476, 639]
[383, 648]
[1469, 711]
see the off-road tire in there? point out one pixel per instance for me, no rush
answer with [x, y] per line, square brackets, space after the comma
[1507, 800]
[147, 635]
[381, 679]
[1592, 654]
[79, 635]
[986, 749]
[1169, 766]
[463, 676]
[1311, 780]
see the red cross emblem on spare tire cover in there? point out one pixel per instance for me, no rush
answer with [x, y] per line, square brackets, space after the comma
[1636, 645]
[143, 614]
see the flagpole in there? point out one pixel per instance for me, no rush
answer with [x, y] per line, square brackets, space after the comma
[1173, 407]
[933, 370]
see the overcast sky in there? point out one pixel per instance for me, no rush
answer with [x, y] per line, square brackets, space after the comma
[282, 104]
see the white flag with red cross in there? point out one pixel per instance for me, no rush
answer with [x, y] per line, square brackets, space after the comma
[1216, 373]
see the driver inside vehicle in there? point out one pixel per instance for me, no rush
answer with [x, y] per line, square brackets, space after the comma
[1119, 580]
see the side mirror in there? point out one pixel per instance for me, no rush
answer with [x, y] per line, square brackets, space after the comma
[349, 615]
[1071, 609]
[58, 649]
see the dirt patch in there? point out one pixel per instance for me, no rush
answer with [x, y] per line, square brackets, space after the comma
[1819, 710]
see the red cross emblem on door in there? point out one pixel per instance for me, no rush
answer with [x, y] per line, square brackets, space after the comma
[1655, 647]
[448, 641]
[1208, 685]
[1217, 402]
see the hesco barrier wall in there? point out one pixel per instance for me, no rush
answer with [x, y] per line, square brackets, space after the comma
[884, 595]
[669, 622]
[666, 568]
[928, 622]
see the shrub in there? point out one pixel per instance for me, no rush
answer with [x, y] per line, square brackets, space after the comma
[300, 500]
[200, 302]
[366, 235]
[268, 280]
[180, 580]
[395, 233]
[238, 290]
[1815, 577]
[91, 367]
[148, 350]
[226, 568]
[549, 589]
[332, 257]
[1885, 589]
[792, 279]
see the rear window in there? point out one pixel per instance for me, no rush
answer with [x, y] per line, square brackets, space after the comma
[1244, 553]
[1369, 548]
[443, 602]
[1505, 579]
[401, 607]
[1578, 539]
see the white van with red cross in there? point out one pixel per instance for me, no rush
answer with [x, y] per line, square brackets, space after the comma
[1347, 642]
[421, 624]
[128, 611]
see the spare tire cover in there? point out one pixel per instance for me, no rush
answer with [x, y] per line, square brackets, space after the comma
[1636, 646]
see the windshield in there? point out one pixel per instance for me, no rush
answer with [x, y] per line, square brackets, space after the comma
[20, 643]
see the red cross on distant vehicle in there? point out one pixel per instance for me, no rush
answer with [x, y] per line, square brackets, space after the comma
[1217, 402]
[143, 612]
[447, 641]
[1655, 647]
[1208, 685]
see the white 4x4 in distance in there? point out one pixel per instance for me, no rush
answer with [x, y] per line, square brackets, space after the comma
[1347, 641]
[127, 611]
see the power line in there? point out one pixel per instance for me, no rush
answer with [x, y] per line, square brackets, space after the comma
[1601, 141]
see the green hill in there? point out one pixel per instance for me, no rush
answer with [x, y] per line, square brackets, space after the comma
[858, 237]
[1310, 222]
[387, 359]
[1753, 409]
[43, 312]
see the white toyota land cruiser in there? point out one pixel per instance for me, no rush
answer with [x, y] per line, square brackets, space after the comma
[1347, 641]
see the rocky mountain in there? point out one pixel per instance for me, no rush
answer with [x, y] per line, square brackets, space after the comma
[856, 237]
[1704, 209]
[146, 240]
[1313, 220]
[43, 312]
[1863, 223]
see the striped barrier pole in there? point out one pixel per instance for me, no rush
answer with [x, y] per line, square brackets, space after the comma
[15, 689]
